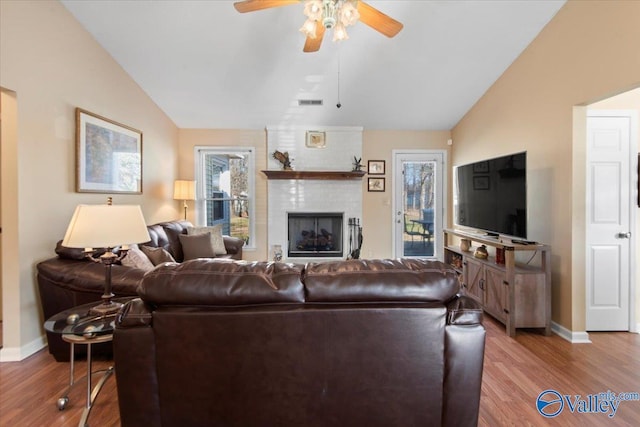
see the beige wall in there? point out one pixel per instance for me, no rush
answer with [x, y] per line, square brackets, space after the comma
[53, 65]
[8, 208]
[586, 53]
[376, 209]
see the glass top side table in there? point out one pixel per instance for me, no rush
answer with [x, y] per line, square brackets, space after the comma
[78, 326]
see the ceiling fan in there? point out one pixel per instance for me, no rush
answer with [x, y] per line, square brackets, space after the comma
[324, 15]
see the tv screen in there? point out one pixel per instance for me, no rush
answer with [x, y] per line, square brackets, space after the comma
[492, 195]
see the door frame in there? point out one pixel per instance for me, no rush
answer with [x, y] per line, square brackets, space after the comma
[633, 165]
[440, 214]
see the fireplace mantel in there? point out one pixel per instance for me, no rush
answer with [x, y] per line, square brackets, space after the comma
[321, 175]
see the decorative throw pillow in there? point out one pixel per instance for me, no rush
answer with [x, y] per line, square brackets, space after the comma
[137, 259]
[197, 246]
[175, 248]
[157, 255]
[217, 241]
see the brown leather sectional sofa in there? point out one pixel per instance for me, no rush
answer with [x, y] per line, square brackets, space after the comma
[345, 343]
[69, 279]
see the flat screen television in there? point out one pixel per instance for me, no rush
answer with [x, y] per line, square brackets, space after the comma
[491, 195]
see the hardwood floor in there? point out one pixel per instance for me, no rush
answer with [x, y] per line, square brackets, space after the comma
[30, 389]
[516, 372]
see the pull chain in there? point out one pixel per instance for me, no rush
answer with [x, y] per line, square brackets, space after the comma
[339, 104]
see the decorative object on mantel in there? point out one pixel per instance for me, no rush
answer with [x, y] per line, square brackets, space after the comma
[284, 159]
[315, 139]
[355, 238]
[465, 245]
[481, 252]
[357, 164]
[375, 167]
[320, 175]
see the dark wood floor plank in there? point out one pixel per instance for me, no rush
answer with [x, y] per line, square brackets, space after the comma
[516, 370]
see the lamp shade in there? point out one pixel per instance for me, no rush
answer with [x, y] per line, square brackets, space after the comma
[184, 190]
[100, 226]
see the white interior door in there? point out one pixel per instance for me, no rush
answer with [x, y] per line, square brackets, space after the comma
[418, 201]
[609, 225]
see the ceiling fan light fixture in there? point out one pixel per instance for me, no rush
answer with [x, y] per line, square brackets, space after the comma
[309, 28]
[332, 14]
[329, 22]
[313, 9]
[329, 14]
[340, 33]
[348, 13]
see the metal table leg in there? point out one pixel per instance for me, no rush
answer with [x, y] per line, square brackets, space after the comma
[91, 394]
[64, 399]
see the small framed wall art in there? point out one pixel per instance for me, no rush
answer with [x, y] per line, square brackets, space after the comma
[481, 167]
[375, 167]
[108, 155]
[375, 184]
[481, 182]
[315, 139]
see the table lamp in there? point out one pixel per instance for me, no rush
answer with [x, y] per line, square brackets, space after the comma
[106, 226]
[184, 190]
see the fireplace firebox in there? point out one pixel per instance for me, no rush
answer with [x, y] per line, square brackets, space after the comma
[315, 234]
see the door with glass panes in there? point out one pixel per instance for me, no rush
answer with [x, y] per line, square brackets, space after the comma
[418, 203]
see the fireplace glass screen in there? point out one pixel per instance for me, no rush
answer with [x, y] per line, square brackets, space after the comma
[315, 235]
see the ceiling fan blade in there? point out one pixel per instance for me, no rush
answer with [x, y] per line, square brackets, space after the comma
[378, 21]
[253, 5]
[313, 45]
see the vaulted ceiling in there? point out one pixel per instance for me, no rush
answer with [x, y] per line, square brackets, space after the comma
[208, 66]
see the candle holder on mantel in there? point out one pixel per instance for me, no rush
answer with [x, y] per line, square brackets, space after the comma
[276, 252]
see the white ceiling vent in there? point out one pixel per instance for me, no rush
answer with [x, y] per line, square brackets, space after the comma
[303, 102]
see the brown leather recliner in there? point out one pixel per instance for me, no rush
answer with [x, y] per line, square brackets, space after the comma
[346, 343]
[69, 279]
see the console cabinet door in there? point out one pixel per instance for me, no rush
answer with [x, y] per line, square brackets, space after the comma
[474, 279]
[496, 293]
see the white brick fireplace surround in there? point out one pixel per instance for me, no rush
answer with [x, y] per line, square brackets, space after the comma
[312, 195]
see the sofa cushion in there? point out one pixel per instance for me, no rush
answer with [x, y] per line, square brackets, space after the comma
[380, 280]
[222, 282]
[157, 255]
[137, 259]
[197, 246]
[217, 241]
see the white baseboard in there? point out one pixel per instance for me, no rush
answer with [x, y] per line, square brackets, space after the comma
[572, 337]
[16, 354]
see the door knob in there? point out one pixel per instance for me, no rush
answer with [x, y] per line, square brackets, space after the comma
[626, 235]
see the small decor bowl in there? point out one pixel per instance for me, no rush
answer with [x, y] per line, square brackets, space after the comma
[481, 252]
